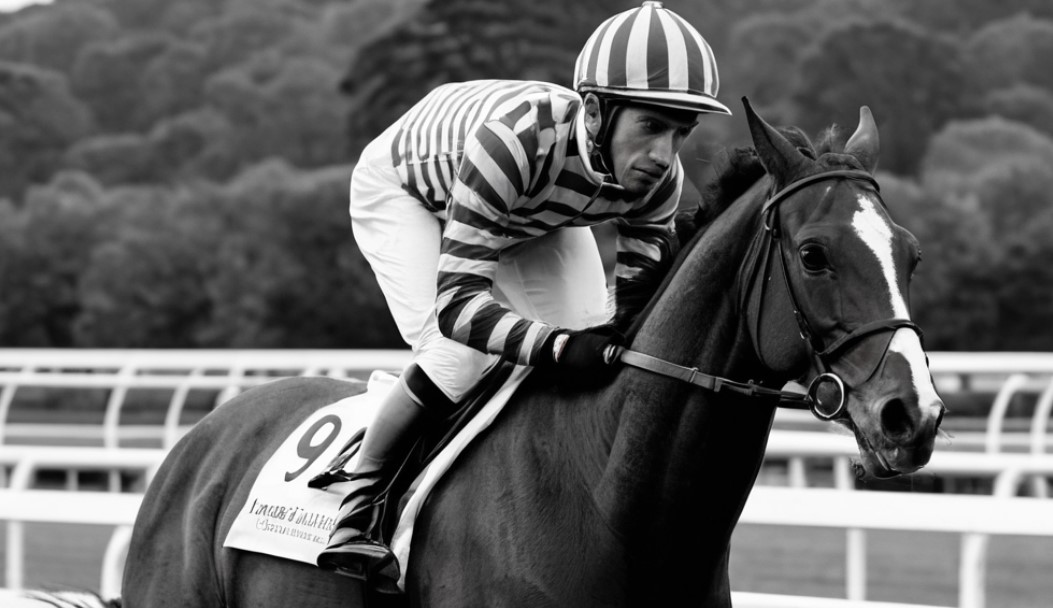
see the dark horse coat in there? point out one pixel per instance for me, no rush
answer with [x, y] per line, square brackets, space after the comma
[619, 495]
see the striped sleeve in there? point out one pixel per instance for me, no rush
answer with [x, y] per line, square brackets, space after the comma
[495, 171]
[645, 247]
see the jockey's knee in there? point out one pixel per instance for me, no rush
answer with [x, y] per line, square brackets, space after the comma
[452, 368]
[426, 393]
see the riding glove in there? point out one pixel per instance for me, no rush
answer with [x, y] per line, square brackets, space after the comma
[580, 351]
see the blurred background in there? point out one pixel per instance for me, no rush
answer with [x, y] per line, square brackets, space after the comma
[174, 174]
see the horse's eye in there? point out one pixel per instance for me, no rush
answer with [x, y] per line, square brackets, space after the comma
[814, 257]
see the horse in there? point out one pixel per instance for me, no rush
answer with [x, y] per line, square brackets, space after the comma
[625, 491]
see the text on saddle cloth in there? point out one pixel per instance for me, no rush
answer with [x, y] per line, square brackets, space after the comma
[283, 517]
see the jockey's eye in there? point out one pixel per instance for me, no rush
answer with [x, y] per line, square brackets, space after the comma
[651, 125]
[814, 257]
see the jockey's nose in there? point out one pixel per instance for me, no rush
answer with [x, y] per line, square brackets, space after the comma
[662, 151]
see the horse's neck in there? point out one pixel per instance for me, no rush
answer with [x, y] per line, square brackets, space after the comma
[669, 441]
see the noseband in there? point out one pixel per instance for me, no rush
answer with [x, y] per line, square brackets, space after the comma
[823, 354]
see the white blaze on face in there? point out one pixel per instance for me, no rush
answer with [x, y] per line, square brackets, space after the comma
[906, 343]
[874, 230]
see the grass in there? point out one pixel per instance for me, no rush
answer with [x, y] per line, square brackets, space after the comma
[904, 567]
[907, 567]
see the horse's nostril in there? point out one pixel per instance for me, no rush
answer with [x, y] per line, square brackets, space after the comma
[895, 418]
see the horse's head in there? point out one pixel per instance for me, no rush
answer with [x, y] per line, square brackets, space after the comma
[839, 270]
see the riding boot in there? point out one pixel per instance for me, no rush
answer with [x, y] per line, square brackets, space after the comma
[354, 548]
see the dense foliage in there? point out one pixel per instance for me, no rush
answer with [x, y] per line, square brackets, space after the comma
[174, 174]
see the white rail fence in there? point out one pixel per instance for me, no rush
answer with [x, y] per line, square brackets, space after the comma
[225, 373]
[857, 513]
[180, 371]
[974, 517]
[1007, 470]
[19, 504]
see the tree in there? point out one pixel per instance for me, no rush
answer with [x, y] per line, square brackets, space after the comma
[1009, 52]
[960, 154]
[716, 19]
[288, 272]
[1012, 195]
[53, 38]
[46, 246]
[765, 52]
[144, 285]
[852, 66]
[238, 35]
[1016, 200]
[173, 81]
[107, 76]
[39, 118]
[465, 40]
[156, 14]
[985, 282]
[288, 108]
[114, 159]
[359, 23]
[953, 290]
[194, 145]
[964, 16]
[1024, 104]
[1025, 286]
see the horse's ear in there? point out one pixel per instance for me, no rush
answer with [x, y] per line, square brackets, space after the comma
[781, 158]
[864, 144]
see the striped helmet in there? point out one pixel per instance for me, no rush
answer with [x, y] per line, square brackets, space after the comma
[650, 55]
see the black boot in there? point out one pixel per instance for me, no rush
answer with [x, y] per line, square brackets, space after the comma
[354, 547]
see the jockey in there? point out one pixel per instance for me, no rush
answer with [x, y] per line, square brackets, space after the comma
[473, 211]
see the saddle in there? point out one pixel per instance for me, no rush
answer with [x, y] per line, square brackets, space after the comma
[394, 497]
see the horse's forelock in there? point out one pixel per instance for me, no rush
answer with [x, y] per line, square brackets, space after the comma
[831, 139]
[835, 160]
[831, 150]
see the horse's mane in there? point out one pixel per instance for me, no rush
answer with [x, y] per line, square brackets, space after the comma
[737, 169]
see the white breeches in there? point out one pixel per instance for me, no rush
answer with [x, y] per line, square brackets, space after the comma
[557, 278]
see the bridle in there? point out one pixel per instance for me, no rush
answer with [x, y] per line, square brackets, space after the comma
[758, 260]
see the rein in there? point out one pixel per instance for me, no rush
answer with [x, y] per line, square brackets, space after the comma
[820, 352]
[691, 375]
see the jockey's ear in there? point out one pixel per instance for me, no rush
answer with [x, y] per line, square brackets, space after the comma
[593, 115]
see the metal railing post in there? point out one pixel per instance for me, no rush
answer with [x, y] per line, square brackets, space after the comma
[993, 435]
[1039, 422]
[855, 540]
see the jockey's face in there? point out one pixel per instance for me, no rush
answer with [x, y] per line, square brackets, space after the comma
[644, 143]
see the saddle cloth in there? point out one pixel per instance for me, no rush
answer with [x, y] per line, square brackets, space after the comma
[285, 518]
